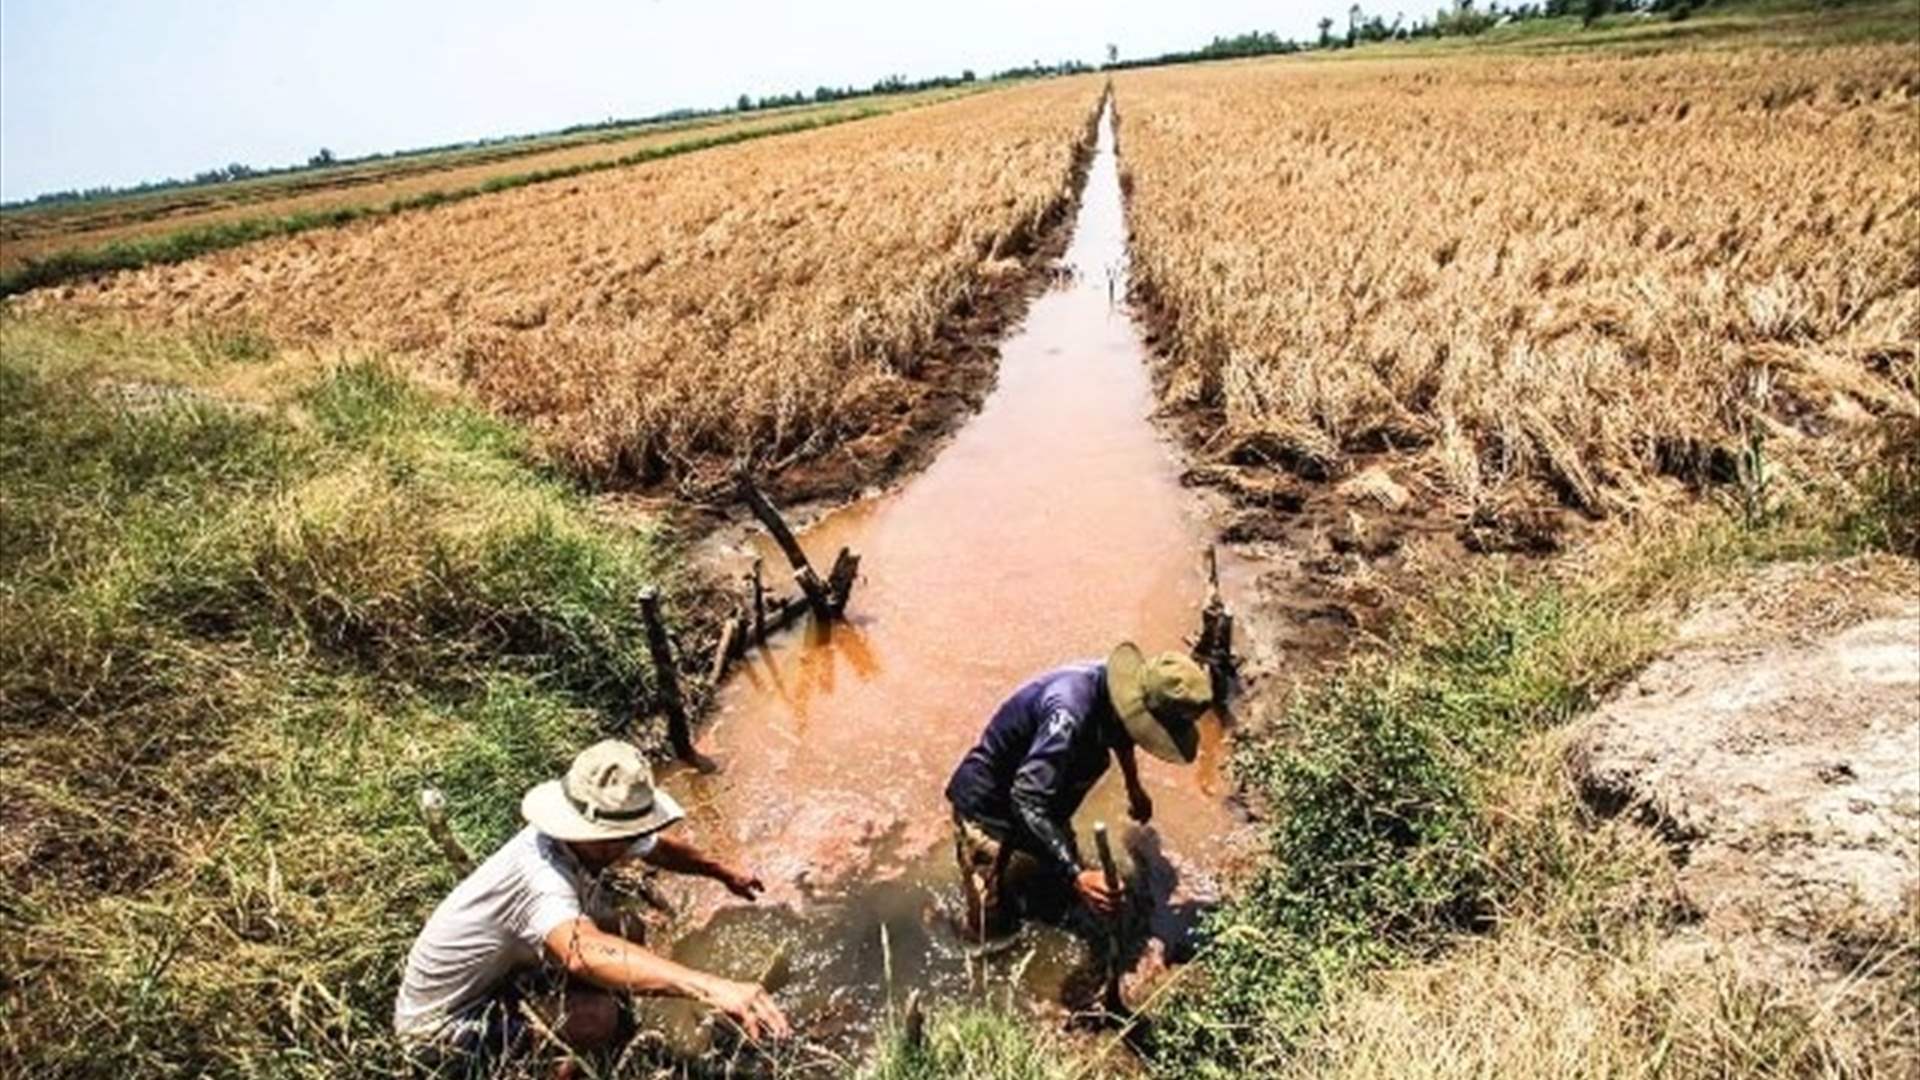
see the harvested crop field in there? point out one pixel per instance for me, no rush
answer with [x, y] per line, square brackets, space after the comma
[1531, 282]
[39, 232]
[763, 301]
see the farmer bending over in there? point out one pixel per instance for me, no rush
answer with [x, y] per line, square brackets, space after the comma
[532, 924]
[1015, 794]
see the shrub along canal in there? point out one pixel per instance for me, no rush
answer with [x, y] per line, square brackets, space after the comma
[1053, 526]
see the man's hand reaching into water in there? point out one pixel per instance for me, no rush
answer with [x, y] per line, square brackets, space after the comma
[744, 884]
[750, 1006]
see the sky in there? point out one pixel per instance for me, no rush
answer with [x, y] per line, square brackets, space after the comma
[119, 91]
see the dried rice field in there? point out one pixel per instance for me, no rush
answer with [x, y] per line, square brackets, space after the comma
[753, 301]
[36, 232]
[1542, 281]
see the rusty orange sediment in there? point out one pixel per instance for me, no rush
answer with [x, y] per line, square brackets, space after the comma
[1052, 526]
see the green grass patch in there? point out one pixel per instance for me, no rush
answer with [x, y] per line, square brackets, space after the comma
[239, 630]
[970, 1041]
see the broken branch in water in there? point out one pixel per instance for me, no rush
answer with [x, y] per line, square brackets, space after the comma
[826, 600]
[803, 574]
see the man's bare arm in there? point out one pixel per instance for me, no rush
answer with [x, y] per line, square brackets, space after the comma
[1139, 805]
[595, 956]
[683, 858]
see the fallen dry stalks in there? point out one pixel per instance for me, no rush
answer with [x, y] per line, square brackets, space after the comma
[1549, 280]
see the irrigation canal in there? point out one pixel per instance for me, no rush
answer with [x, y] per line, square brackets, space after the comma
[1053, 525]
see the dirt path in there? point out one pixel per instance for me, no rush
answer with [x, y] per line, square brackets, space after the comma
[1053, 525]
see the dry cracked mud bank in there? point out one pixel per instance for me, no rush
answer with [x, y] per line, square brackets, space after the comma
[1776, 748]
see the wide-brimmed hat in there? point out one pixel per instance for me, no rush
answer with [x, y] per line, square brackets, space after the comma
[607, 794]
[1159, 700]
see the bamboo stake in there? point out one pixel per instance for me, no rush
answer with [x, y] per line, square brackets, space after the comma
[724, 651]
[1113, 1003]
[759, 603]
[914, 1022]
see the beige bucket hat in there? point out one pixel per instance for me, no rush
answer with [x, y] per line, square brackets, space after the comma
[607, 794]
[1159, 700]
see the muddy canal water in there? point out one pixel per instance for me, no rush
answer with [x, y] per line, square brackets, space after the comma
[1052, 526]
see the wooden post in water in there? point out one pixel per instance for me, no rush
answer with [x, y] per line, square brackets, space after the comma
[723, 652]
[759, 603]
[667, 683]
[846, 567]
[1215, 647]
[1112, 1001]
[809, 582]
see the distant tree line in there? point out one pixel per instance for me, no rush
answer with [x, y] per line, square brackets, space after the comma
[325, 158]
[1465, 18]
[1256, 43]
[1038, 70]
[900, 84]
[322, 159]
[892, 84]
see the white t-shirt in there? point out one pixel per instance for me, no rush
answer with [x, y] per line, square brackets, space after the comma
[493, 925]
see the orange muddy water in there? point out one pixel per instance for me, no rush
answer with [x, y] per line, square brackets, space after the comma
[1052, 526]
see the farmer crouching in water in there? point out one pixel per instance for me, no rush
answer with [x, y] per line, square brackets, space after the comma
[1015, 794]
[531, 925]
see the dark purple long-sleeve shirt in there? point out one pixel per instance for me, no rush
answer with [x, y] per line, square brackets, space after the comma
[1044, 749]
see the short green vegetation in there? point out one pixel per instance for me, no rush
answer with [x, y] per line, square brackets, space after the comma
[249, 605]
[974, 1041]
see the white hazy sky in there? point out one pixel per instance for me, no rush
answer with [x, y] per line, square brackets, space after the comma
[118, 91]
